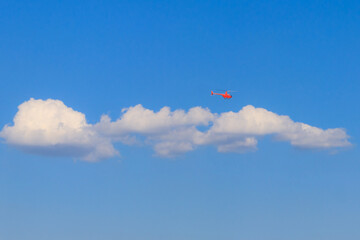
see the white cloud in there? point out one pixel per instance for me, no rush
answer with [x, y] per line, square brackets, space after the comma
[50, 127]
[305, 136]
[253, 122]
[238, 146]
[170, 132]
[140, 120]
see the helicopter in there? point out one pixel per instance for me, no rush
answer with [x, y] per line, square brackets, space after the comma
[225, 95]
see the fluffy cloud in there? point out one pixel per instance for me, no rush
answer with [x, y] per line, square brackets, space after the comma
[49, 127]
[140, 120]
[252, 122]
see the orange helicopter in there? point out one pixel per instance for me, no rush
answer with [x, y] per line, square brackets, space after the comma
[225, 95]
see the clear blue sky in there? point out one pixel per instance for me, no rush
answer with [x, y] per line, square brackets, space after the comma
[295, 58]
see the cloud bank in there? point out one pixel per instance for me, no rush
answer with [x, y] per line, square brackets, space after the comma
[49, 127]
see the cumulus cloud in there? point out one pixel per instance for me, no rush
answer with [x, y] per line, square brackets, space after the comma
[254, 122]
[140, 120]
[49, 127]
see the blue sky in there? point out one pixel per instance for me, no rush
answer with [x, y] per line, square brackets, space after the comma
[297, 59]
